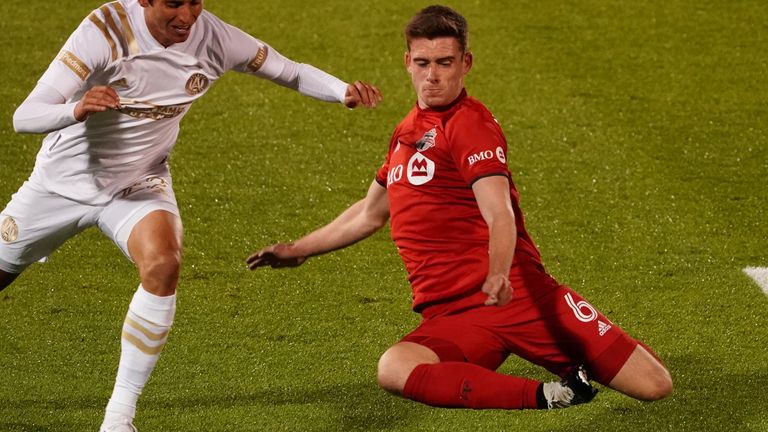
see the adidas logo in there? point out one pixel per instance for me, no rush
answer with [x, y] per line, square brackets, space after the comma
[603, 327]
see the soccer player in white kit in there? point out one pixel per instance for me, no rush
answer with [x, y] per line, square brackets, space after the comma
[111, 103]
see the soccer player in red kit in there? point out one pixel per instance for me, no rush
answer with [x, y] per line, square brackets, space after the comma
[476, 275]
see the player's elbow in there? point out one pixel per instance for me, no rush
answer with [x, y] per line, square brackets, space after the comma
[378, 223]
[374, 221]
[19, 125]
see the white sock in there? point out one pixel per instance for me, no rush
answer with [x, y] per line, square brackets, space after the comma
[145, 331]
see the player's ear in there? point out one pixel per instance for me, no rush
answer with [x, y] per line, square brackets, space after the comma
[468, 60]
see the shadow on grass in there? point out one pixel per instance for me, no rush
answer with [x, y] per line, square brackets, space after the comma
[706, 398]
[350, 406]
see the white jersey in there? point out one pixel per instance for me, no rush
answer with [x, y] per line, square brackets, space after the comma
[92, 161]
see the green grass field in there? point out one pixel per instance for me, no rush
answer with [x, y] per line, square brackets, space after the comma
[637, 136]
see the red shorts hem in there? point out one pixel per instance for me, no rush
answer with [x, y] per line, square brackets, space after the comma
[607, 364]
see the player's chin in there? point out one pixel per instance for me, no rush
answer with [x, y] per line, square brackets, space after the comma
[435, 100]
[180, 38]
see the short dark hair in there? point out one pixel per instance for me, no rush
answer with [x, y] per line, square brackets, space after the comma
[437, 21]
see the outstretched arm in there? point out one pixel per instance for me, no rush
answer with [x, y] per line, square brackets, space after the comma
[359, 221]
[307, 79]
[492, 194]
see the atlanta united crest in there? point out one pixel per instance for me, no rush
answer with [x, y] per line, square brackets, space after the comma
[9, 231]
[196, 84]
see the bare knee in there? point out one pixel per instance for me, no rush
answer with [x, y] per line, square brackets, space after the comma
[155, 247]
[390, 374]
[159, 271]
[643, 377]
[397, 363]
[657, 387]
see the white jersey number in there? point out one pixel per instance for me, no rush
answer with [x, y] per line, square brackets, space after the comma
[584, 311]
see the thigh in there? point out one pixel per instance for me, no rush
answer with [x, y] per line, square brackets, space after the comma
[133, 204]
[35, 223]
[560, 329]
[465, 336]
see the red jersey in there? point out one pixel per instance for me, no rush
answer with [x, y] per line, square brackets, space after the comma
[434, 158]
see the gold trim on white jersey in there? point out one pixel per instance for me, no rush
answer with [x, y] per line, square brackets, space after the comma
[74, 63]
[115, 35]
[101, 26]
[259, 60]
[113, 26]
[133, 46]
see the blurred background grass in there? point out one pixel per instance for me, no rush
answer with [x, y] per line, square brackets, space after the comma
[637, 139]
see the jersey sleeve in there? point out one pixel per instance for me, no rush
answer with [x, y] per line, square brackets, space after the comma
[51, 104]
[382, 174]
[478, 146]
[244, 53]
[86, 52]
[235, 49]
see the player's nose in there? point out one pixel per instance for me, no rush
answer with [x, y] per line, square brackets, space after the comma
[185, 15]
[432, 73]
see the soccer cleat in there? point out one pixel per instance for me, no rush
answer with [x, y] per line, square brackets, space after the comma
[573, 389]
[121, 425]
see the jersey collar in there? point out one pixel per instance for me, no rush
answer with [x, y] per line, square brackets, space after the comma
[444, 108]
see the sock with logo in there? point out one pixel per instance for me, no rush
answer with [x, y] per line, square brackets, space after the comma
[466, 385]
[145, 331]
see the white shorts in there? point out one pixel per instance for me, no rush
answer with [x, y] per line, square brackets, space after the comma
[36, 222]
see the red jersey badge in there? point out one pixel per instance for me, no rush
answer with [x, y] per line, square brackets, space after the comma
[427, 141]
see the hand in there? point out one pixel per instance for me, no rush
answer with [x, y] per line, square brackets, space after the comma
[498, 290]
[97, 99]
[276, 256]
[362, 93]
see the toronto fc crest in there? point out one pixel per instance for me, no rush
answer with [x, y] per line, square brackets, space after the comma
[427, 141]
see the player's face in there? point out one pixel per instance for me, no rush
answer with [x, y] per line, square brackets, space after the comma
[170, 21]
[437, 67]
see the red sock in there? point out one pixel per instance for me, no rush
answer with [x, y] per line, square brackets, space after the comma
[466, 385]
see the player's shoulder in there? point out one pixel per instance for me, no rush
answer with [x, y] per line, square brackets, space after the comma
[472, 108]
[472, 117]
[213, 24]
[102, 35]
[215, 32]
[469, 111]
[408, 120]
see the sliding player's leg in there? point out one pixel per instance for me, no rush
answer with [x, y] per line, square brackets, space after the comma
[450, 362]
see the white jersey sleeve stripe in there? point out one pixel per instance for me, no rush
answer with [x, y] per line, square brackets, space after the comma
[103, 28]
[133, 46]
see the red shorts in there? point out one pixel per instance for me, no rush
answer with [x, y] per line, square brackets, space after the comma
[545, 323]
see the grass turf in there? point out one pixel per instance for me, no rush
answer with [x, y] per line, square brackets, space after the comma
[637, 139]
